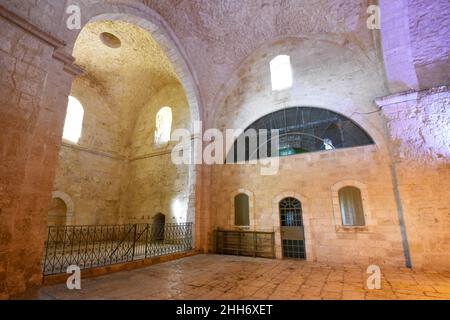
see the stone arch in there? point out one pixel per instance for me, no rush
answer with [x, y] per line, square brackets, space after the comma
[375, 134]
[307, 221]
[70, 206]
[362, 129]
[336, 40]
[330, 100]
[251, 203]
[146, 18]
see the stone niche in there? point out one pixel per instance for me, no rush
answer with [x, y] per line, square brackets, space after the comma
[57, 213]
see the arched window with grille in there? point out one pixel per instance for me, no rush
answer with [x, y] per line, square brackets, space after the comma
[241, 210]
[73, 125]
[301, 130]
[292, 228]
[351, 205]
[163, 126]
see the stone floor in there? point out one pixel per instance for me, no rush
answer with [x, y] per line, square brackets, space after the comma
[209, 277]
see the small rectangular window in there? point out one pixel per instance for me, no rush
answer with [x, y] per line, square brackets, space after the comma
[351, 207]
[73, 125]
[241, 210]
[281, 73]
[163, 126]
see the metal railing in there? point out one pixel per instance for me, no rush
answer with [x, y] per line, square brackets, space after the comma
[97, 246]
[245, 243]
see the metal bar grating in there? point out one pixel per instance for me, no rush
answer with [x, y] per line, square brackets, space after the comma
[97, 246]
[245, 243]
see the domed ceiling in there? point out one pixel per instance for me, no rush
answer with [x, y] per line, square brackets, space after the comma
[124, 63]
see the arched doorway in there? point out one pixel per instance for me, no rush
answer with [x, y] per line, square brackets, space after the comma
[292, 229]
[57, 213]
[159, 222]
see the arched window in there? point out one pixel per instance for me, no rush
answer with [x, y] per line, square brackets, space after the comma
[241, 210]
[350, 202]
[292, 231]
[74, 121]
[163, 126]
[281, 73]
[301, 130]
[291, 213]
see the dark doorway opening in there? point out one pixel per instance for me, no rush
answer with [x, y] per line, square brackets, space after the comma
[292, 229]
[159, 222]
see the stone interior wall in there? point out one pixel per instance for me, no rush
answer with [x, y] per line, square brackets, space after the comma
[310, 178]
[33, 87]
[330, 75]
[91, 171]
[34, 13]
[36, 79]
[429, 23]
[415, 44]
[419, 124]
[153, 183]
[329, 72]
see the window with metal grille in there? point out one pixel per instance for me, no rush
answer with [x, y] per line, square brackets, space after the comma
[291, 217]
[291, 213]
[241, 210]
[350, 202]
[301, 130]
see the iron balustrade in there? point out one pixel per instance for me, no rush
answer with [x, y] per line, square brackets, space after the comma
[97, 246]
[245, 243]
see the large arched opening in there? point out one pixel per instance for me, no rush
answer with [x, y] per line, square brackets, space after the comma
[120, 171]
[142, 16]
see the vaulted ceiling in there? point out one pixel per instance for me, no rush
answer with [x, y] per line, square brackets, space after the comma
[219, 34]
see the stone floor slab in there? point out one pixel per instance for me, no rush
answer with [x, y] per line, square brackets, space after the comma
[210, 277]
